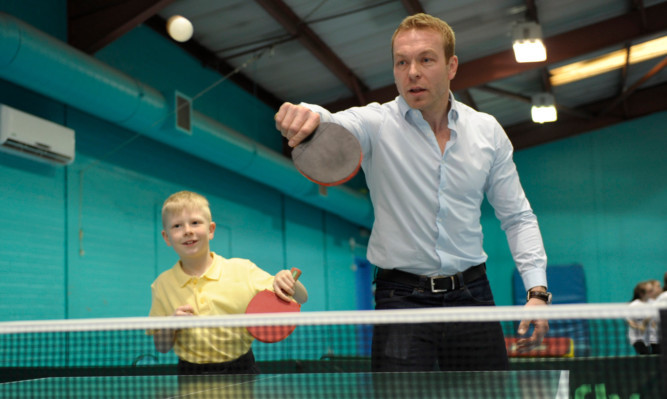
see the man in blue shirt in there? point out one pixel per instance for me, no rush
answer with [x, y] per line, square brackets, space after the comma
[428, 161]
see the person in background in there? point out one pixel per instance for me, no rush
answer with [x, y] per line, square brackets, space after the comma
[653, 328]
[662, 298]
[638, 331]
[204, 283]
[661, 301]
[429, 161]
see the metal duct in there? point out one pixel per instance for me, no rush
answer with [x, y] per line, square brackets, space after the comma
[46, 65]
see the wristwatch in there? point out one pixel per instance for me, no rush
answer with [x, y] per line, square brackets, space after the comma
[545, 296]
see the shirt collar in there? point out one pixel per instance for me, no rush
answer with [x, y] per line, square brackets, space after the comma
[403, 107]
[453, 109]
[453, 116]
[214, 272]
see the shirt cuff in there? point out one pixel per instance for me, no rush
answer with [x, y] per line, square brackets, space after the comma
[325, 115]
[533, 278]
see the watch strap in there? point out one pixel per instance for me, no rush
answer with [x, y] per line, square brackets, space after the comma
[545, 296]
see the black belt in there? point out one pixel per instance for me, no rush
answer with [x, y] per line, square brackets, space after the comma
[433, 284]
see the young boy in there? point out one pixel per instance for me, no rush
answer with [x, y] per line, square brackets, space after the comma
[204, 283]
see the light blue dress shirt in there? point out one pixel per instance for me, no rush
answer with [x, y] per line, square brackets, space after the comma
[428, 204]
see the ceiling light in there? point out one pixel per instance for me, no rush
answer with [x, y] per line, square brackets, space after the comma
[608, 62]
[527, 43]
[544, 108]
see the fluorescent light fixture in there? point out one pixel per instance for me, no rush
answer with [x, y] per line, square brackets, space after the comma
[527, 43]
[544, 108]
[608, 62]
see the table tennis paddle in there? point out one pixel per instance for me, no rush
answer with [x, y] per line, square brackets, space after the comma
[330, 156]
[268, 302]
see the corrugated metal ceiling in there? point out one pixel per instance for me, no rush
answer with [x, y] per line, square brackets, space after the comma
[337, 53]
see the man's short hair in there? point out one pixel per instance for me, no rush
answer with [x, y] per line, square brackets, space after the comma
[425, 21]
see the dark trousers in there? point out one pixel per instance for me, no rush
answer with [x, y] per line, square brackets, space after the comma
[243, 365]
[459, 346]
[642, 349]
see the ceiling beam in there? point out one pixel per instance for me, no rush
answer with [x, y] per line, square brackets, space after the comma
[529, 100]
[506, 93]
[298, 28]
[92, 24]
[624, 72]
[628, 92]
[561, 47]
[641, 103]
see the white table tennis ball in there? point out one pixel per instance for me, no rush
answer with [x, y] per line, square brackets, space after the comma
[179, 28]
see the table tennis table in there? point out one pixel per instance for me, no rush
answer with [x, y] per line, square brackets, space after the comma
[484, 384]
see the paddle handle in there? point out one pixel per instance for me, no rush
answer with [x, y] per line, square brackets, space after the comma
[296, 273]
[310, 136]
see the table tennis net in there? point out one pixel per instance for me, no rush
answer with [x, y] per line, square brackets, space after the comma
[588, 352]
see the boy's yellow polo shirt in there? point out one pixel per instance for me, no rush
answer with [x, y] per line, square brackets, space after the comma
[226, 288]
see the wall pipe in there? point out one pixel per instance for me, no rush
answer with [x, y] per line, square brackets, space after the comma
[46, 65]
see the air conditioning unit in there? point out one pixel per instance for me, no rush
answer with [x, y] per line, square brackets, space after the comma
[32, 137]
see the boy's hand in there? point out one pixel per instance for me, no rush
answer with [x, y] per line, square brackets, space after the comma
[185, 310]
[164, 339]
[283, 285]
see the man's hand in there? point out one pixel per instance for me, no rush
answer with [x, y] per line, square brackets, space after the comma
[541, 328]
[296, 122]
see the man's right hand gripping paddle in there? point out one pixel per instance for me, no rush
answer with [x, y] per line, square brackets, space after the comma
[328, 156]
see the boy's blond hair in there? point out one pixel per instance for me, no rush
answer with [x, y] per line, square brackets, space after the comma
[425, 21]
[182, 200]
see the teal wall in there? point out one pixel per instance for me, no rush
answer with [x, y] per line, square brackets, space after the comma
[84, 240]
[601, 201]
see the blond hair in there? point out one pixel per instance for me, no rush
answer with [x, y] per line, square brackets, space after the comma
[182, 200]
[425, 21]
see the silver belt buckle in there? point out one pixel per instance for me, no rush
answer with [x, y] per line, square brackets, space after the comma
[434, 290]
